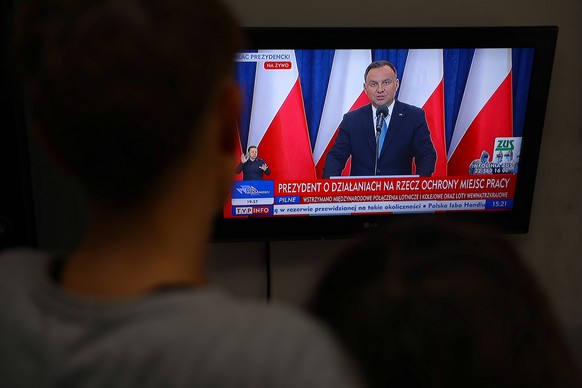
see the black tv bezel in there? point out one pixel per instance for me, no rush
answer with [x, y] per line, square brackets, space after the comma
[542, 38]
[17, 216]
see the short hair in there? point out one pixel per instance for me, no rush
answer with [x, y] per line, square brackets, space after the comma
[438, 304]
[119, 88]
[377, 64]
[253, 146]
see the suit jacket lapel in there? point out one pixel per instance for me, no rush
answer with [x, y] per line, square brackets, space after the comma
[395, 122]
[369, 127]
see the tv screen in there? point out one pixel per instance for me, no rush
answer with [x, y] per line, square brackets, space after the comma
[461, 139]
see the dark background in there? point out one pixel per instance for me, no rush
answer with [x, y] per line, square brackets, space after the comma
[553, 246]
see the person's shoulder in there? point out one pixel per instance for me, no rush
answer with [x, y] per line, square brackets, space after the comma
[358, 115]
[400, 106]
[21, 272]
[300, 342]
[218, 305]
[15, 254]
[17, 260]
[264, 340]
[363, 110]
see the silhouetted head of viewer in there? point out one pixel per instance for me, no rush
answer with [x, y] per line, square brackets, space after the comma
[137, 100]
[148, 81]
[443, 305]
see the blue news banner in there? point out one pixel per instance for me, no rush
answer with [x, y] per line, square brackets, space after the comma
[253, 198]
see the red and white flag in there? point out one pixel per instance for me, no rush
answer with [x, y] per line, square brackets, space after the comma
[277, 125]
[422, 85]
[486, 109]
[227, 209]
[238, 152]
[345, 92]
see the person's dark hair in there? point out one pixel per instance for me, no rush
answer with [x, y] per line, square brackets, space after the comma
[378, 64]
[248, 149]
[443, 305]
[118, 88]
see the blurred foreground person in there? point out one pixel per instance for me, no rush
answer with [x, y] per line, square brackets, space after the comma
[433, 304]
[135, 99]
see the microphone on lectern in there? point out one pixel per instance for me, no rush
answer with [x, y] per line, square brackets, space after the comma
[381, 114]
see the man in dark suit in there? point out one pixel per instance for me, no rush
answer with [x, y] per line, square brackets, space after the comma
[407, 138]
[252, 167]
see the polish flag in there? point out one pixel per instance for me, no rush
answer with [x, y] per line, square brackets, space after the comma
[422, 85]
[345, 92]
[238, 152]
[227, 208]
[277, 125]
[486, 109]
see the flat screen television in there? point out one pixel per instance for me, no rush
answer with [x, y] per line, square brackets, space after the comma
[483, 94]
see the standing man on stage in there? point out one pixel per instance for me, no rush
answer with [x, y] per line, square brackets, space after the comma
[382, 144]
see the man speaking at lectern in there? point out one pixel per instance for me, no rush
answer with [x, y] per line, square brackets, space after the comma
[385, 136]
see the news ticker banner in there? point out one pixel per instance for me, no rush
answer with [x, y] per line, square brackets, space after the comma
[372, 195]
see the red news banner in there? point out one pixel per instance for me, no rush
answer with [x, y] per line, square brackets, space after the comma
[410, 194]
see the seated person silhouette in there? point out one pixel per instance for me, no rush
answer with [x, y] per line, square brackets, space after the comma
[443, 305]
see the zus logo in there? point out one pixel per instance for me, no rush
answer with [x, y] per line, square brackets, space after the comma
[505, 145]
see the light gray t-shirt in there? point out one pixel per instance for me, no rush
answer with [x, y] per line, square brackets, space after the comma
[176, 338]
